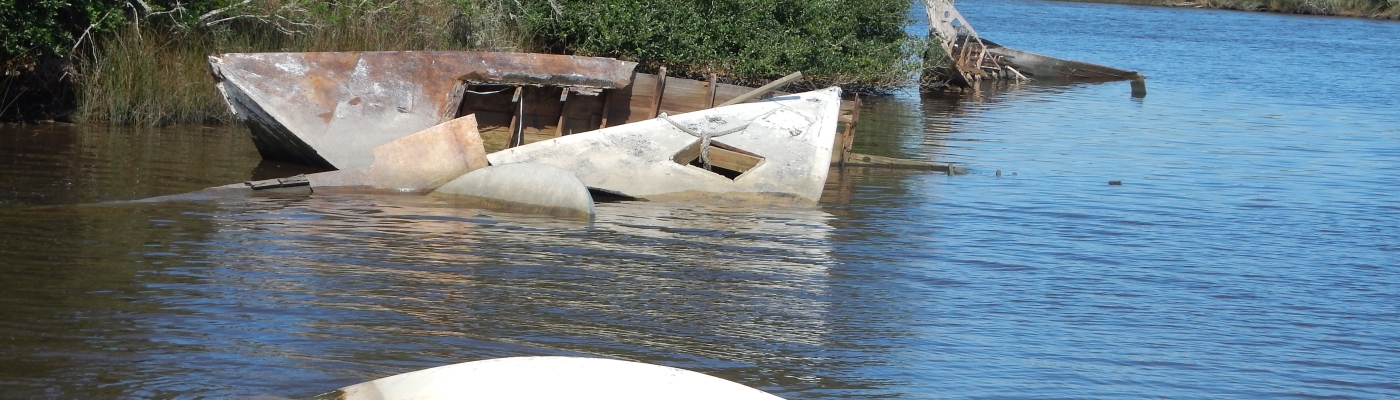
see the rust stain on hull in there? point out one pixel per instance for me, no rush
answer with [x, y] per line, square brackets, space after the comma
[330, 109]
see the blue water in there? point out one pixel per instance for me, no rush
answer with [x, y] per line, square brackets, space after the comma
[1252, 250]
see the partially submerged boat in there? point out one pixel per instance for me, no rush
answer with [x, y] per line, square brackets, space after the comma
[777, 147]
[969, 59]
[330, 109]
[592, 120]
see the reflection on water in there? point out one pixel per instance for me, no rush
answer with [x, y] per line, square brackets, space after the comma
[1250, 252]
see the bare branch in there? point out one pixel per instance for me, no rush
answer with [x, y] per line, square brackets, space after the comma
[215, 13]
[88, 30]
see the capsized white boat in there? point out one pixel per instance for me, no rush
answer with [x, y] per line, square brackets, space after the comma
[779, 146]
[529, 378]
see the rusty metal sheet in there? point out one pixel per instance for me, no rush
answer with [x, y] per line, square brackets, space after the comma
[330, 109]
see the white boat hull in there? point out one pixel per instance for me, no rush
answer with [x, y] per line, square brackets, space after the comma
[790, 137]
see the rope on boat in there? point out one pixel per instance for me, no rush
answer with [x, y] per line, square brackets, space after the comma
[706, 136]
[494, 92]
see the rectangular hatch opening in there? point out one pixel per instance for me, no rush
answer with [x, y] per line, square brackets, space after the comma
[725, 160]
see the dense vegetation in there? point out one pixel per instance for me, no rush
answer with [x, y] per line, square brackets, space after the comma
[856, 43]
[143, 61]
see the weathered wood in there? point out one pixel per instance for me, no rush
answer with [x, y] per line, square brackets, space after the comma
[563, 113]
[710, 98]
[453, 107]
[517, 123]
[660, 93]
[771, 86]
[732, 160]
[603, 111]
[721, 156]
[846, 139]
[872, 161]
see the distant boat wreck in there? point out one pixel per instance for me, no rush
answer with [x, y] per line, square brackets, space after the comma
[424, 122]
[969, 59]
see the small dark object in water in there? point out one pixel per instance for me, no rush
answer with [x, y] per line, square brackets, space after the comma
[1115, 183]
[998, 173]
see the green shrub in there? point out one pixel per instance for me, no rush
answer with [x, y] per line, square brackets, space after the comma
[860, 43]
[37, 28]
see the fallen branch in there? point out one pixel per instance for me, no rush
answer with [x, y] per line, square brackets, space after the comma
[87, 31]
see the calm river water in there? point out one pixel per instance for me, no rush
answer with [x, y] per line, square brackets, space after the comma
[1252, 250]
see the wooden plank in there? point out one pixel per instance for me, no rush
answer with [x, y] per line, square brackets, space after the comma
[603, 111]
[684, 95]
[517, 124]
[710, 96]
[871, 161]
[563, 111]
[771, 86]
[633, 102]
[731, 160]
[847, 138]
[660, 94]
[453, 108]
[687, 154]
[582, 113]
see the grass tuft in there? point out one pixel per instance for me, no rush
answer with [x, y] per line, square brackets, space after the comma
[149, 75]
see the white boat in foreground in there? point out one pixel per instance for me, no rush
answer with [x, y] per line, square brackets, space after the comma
[528, 378]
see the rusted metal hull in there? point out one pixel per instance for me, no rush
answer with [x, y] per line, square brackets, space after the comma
[331, 109]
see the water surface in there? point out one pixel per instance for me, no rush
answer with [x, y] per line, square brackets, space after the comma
[1251, 250]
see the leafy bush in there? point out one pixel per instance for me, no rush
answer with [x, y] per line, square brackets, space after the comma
[36, 28]
[836, 41]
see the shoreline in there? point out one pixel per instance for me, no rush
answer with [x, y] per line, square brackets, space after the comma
[1329, 8]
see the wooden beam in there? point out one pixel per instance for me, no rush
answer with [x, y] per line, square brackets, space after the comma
[517, 123]
[603, 116]
[714, 86]
[563, 112]
[660, 90]
[848, 136]
[733, 161]
[771, 86]
[454, 102]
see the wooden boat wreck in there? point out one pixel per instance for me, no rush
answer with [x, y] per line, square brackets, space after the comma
[330, 109]
[422, 122]
[968, 58]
